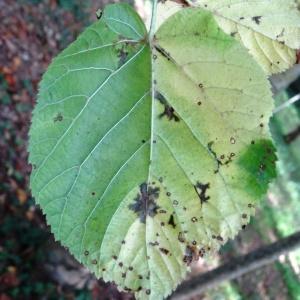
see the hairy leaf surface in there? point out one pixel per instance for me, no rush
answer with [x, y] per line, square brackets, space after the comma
[149, 154]
[269, 29]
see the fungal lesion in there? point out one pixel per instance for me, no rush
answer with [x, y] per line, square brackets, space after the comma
[169, 111]
[257, 19]
[214, 154]
[171, 221]
[124, 49]
[201, 190]
[163, 52]
[222, 160]
[58, 118]
[144, 204]
[191, 254]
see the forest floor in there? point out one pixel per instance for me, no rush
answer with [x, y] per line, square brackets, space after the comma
[32, 265]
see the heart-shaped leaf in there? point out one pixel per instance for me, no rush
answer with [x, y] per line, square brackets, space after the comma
[269, 29]
[149, 153]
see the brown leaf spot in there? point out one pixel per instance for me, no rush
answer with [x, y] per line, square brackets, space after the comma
[59, 117]
[145, 202]
[257, 19]
[201, 190]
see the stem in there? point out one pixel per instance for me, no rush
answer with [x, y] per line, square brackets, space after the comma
[287, 104]
[153, 19]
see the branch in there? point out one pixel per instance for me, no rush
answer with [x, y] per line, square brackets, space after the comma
[236, 267]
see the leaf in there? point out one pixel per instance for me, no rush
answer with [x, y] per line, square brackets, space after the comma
[166, 9]
[269, 29]
[149, 154]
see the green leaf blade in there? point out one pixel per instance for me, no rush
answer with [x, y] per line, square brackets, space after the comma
[270, 30]
[138, 187]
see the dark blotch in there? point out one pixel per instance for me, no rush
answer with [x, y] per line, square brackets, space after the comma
[164, 251]
[257, 19]
[58, 118]
[169, 111]
[201, 190]
[145, 202]
[171, 221]
[190, 254]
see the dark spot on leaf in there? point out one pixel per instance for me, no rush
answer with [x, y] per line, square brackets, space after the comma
[194, 243]
[153, 243]
[169, 111]
[232, 140]
[171, 221]
[190, 254]
[59, 117]
[99, 13]
[145, 202]
[93, 193]
[201, 252]
[94, 262]
[244, 216]
[219, 163]
[164, 251]
[162, 223]
[262, 167]
[123, 275]
[257, 19]
[148, 292]
[201, 190]
[163, 52]
[122, 54]
[86, 253]
[194, 219]
[130, 268]
[140, 277]
[115, 257]
[121, 264]
[219, 238]
[243, 226]
[123, 242]
[181, 237]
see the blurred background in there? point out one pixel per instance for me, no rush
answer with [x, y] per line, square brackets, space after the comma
[32, 265]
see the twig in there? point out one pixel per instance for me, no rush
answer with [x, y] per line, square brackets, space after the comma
[236, 267]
